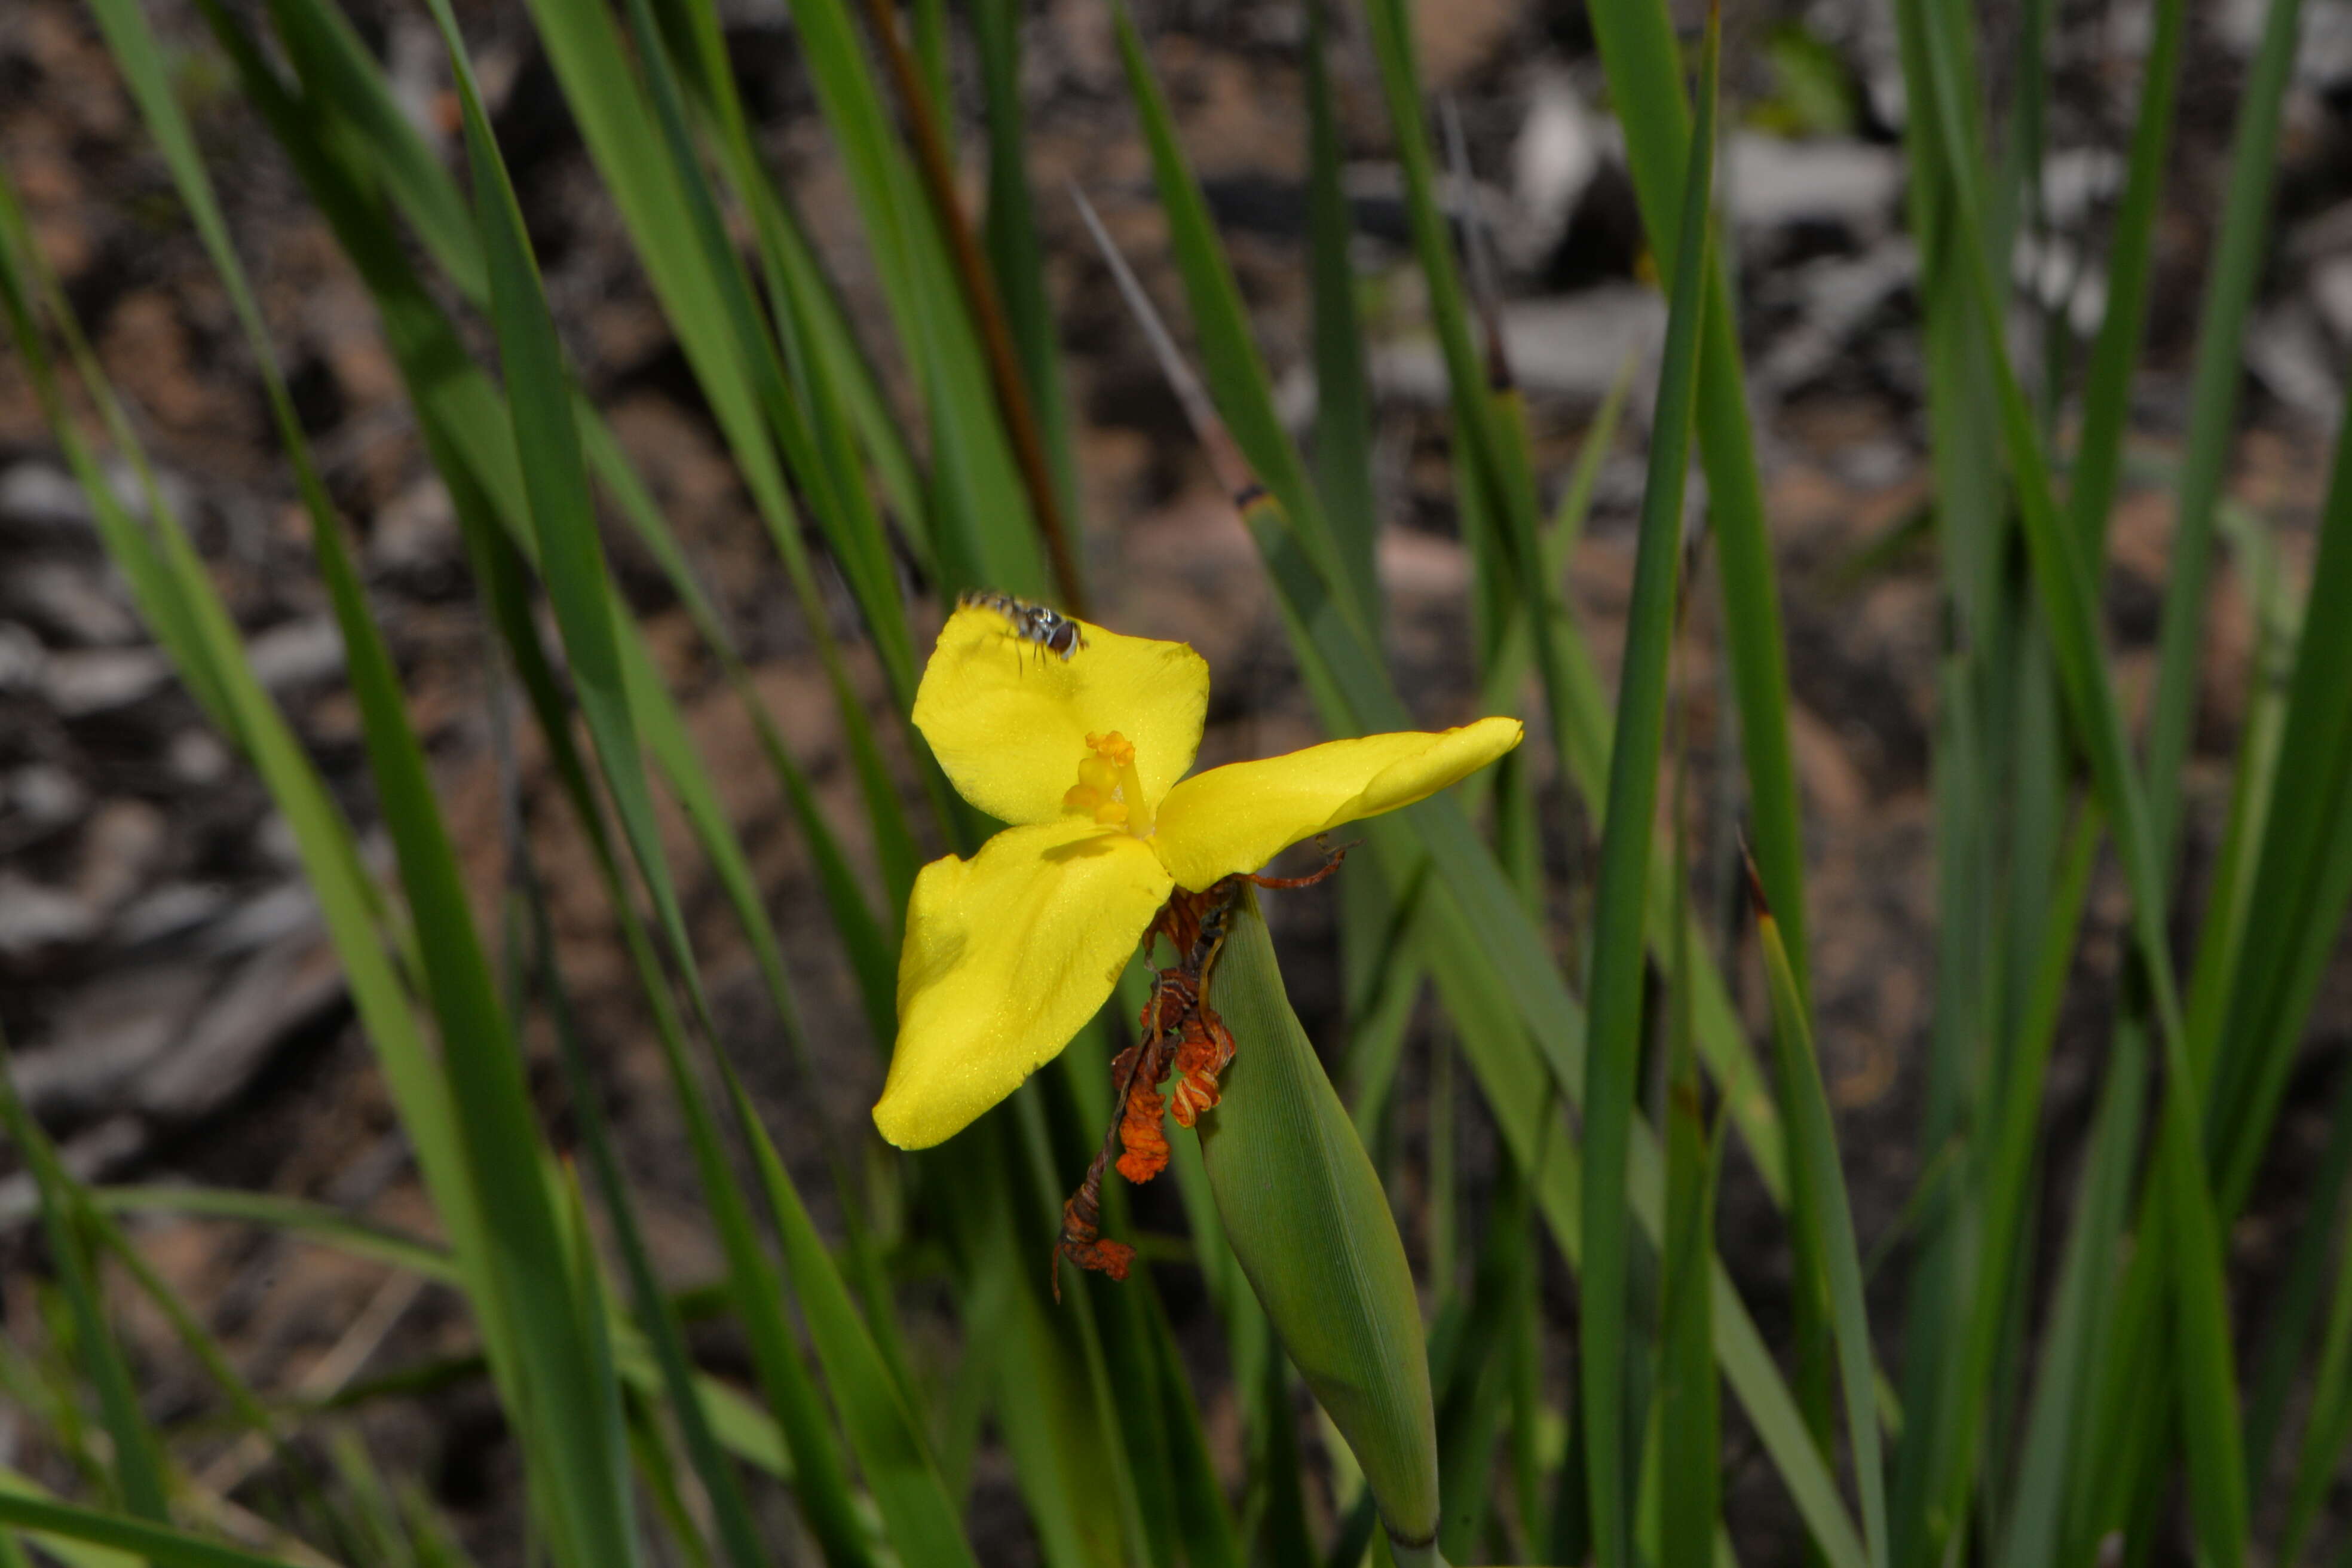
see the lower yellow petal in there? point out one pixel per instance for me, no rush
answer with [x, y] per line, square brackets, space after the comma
[1238, 817]
[1007, 956]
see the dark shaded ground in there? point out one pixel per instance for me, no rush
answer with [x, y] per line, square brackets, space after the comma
[162, 975]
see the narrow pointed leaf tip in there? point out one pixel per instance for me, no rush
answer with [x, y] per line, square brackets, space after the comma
[1082, 744]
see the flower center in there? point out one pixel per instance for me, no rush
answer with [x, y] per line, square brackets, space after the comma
[1108, 789]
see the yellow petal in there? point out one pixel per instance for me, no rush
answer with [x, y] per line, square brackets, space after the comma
[1007, 956]
[1008, 719]
[1237, 819]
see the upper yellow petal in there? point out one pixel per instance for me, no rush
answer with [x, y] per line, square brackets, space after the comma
[1008, 719]
[1238, 817]
[1007, 956]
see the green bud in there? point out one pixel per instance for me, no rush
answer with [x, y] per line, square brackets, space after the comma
[1307, 1219]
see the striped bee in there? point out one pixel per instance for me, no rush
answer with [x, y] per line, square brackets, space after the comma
[1051, 630]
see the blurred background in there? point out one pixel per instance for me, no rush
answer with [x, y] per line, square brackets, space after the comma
[176, 1012]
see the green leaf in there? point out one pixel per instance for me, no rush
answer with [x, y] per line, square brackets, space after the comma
[1305, 1214]
[138, 1456]
[160, 1546]
[1619, 920]
[921, 1518]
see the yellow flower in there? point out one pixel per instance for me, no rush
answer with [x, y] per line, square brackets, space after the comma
[1010, 953]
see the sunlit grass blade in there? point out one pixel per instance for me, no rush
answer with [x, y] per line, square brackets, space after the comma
[873, 957]
[571, 558]
[1525, 1106]
[570, 563]
[842, 507]
[1619, 922]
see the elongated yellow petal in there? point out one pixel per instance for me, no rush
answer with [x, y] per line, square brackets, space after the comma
[1008, 719]
[1237, 819]
[1007, 956]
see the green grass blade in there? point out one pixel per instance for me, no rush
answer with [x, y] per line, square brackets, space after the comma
[2047, 1472]
[986, 532]
[1690, 1454]
[313, 1222]
[1813, 1139]
[138, 1457]
[212, 658]
[2328, 1427]
[2061, 578]
[555, 481]
[1619, 921]
[629, 147]
[164, 1547]
[730, 1511]
[1016, 256]
[2287, 1326]
[1645, 68]
[842, 507]
[465, 421]
[2304, 875]
[1497, 494]
[2240, 244]
[921, 1518]
[1472, 1395]
[2007, 1181]
[1525, 1107]
[1484, 952]
[567, 1412]
[822, 1485]
[969, 264]
[1204, 1524]
[1343, 388]
[2106, 394]
[1230, 357]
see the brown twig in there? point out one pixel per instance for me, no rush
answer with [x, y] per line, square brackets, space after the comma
[978, 280]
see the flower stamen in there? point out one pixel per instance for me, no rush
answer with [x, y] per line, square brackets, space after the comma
[1108, 789]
